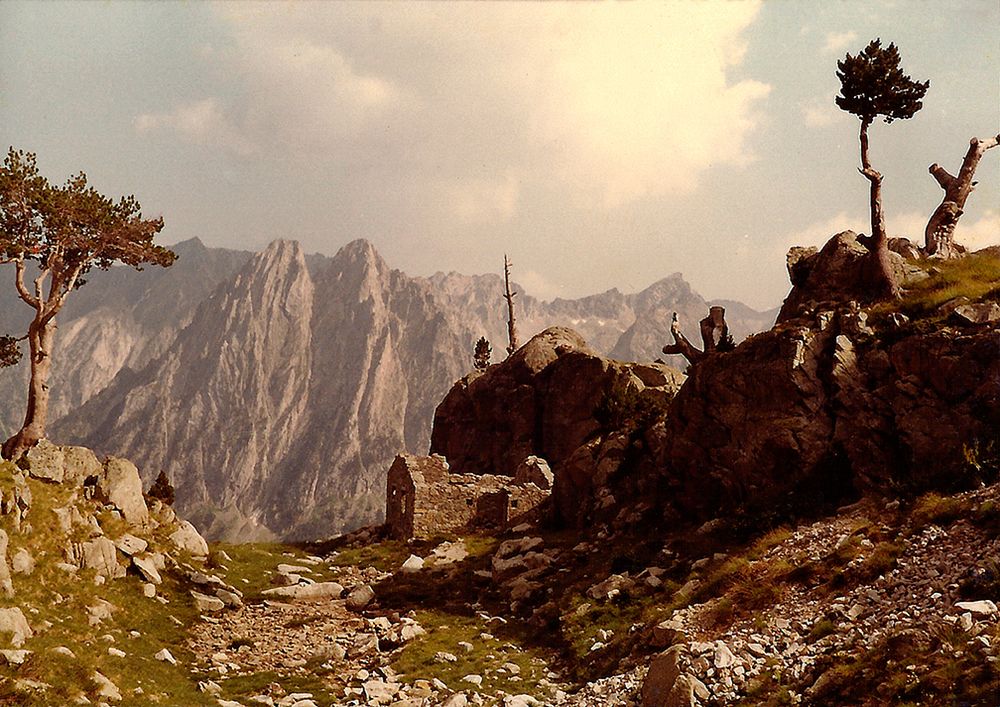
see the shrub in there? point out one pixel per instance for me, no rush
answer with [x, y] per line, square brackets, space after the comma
[162, 489]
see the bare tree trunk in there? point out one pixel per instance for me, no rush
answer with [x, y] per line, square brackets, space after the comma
[939, 235]
[714, 330]
[681, 345]
[878, 268]
[509, 296]
[41, 334]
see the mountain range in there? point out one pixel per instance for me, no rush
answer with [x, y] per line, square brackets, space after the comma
[275, 388]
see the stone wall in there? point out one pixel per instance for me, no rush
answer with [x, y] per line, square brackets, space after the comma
[423, 499]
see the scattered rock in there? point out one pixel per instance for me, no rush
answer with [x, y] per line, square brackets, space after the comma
[307, 591]
[412, 564]
[164, 655]
[360, 597]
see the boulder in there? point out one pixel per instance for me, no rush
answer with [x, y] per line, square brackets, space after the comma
[977, 313]
[412, 564]
[831, 275]
[146, 567]
[534, 470]
[664, 669]
[206, 604]
[99, 555]
[120, 485]
[360, 597]
[22, 562]
[106, 690]
[188, 539]
[45, 461]
[306, 591]
[130, 545]
[12, 622]
[79, 463]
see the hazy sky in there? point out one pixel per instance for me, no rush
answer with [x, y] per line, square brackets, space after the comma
[601, 145]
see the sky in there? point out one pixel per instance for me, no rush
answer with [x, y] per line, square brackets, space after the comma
[600, 145]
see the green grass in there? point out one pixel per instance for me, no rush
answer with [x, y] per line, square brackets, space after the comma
[935, 509]
[974, 276]
[444, 632]
[51, 595]
[251, 566]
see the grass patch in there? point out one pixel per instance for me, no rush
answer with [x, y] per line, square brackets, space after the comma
[935, 509]
[975, 276]
[55, 596]
[444, 633]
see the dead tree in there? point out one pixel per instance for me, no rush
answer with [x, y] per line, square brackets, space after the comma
[509, 296]
[939, 235]
[714, 335]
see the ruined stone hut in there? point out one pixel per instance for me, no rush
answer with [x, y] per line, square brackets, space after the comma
[424, 499]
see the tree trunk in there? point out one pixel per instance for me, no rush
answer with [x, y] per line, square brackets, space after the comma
[681, 345]
[878, 267]
[41, 334]
[714, 330]
[939, 235]
[509, 296]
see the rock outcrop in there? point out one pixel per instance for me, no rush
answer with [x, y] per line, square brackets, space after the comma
[829, 405]
[549, 399]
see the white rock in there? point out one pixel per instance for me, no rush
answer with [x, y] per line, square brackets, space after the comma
[984, 607]
[119, 484]
[413, 564]
[164, 655]
[146, 567]
[105, 688]
[12, 621]
[22, 562]
[186, 537]
[203, 602]
[476, 680]
[130, 544]
[15, 656]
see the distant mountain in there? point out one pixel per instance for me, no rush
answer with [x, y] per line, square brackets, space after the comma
[275, 388]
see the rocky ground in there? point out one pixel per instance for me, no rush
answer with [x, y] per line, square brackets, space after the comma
[110, 599]
[877, 604]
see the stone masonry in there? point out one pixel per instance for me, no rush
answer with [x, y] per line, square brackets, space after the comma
[424, 499]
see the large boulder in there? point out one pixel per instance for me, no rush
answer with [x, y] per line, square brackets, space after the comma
[547, 400]
[79, 463]
[119, 484]
[45, 461]
[835, 274]
[187, 538]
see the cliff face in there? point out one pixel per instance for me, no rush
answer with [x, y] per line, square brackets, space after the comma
[121, 319]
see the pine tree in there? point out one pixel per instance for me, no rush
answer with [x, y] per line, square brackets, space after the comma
[483, 354]
[873, 85]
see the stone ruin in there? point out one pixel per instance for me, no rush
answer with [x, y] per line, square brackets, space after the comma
[424, 499]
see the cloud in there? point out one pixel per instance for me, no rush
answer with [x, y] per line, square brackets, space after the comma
[202, 122]
[482, 200]
[838, 41]
[820, 112]
[981, 233]
[597, 104]
[538, 286]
